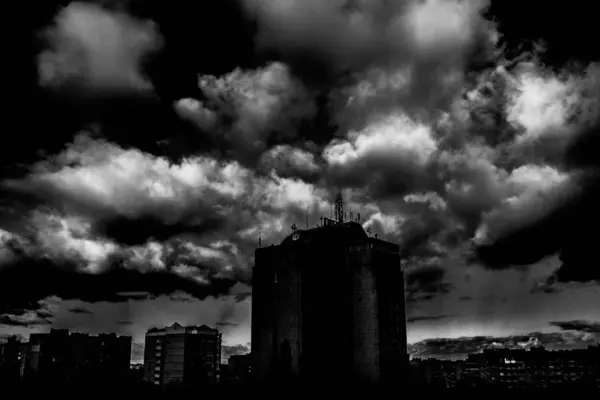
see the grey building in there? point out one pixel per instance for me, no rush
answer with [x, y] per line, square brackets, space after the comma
[179, 355]
[328, 306]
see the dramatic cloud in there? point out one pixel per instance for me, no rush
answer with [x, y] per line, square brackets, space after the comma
[354, 34]
[114, 214]
[443, 144]
[426, 282]
[577, 325]
[94, 48]
[28, 319]
[245, 112]
[388, 157]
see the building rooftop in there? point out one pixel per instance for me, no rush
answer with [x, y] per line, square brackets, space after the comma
[332, 231]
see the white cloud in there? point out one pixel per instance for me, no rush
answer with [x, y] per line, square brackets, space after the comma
[395, 135]
[288, 160]
[244, 107]
[69, 238]
[97, 49]
[532, 193]
[196, 112]
[550, 108]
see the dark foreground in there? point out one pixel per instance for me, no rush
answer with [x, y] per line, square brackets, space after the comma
[140, 390]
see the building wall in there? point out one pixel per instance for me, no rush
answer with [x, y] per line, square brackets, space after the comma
[173, 359]
[389, 283]
[336, 299]
[61, 357]
[182, 355]
[365, 321]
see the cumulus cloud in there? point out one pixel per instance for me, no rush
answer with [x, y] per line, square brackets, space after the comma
[246, 111]
[349, 34]
[96, 198]
[389, 157]
[93, 48]
[434, 154]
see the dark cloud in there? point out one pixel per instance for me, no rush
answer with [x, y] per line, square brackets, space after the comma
[239, 297]
[246, 112]
[25, 283]
[235, 350]
[563, 231]
[44, 314]
[154, 185]
[227, 324]
[24, 322]
[137, 231]
[426, 282]
[578, 325]
[226, 313]
[420, 318]
[80, 310]
[124, 322]
[134, 295]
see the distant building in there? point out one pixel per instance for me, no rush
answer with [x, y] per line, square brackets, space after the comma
[179, 355]
[63, 357]
[136, 372]
[239, 368]
[329, 293]
[11, 355]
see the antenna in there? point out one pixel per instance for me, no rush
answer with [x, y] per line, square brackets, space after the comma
[358, 218]
[260, 241]
[307, 217]
[339, 208]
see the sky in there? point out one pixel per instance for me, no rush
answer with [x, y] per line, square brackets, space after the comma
[154, 142]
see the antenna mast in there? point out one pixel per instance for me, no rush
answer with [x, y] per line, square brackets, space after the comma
[307, 217]
[339, 208]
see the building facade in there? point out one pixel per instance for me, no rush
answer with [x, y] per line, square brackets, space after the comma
[11, 355]
[63, 357]
[329, 293]
[179, 355]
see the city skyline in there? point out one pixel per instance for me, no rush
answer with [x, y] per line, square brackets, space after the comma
[158, 156]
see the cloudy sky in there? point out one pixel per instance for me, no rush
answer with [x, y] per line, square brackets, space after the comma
[156, 141]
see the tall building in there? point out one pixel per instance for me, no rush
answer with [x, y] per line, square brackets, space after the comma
[182, 355]
[63, 357]
[328, 306]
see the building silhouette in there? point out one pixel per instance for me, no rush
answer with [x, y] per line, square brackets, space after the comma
[328, 306]
[61, 357]
[237, 370]
[514, 369]
[11, 360]
[178, 355]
